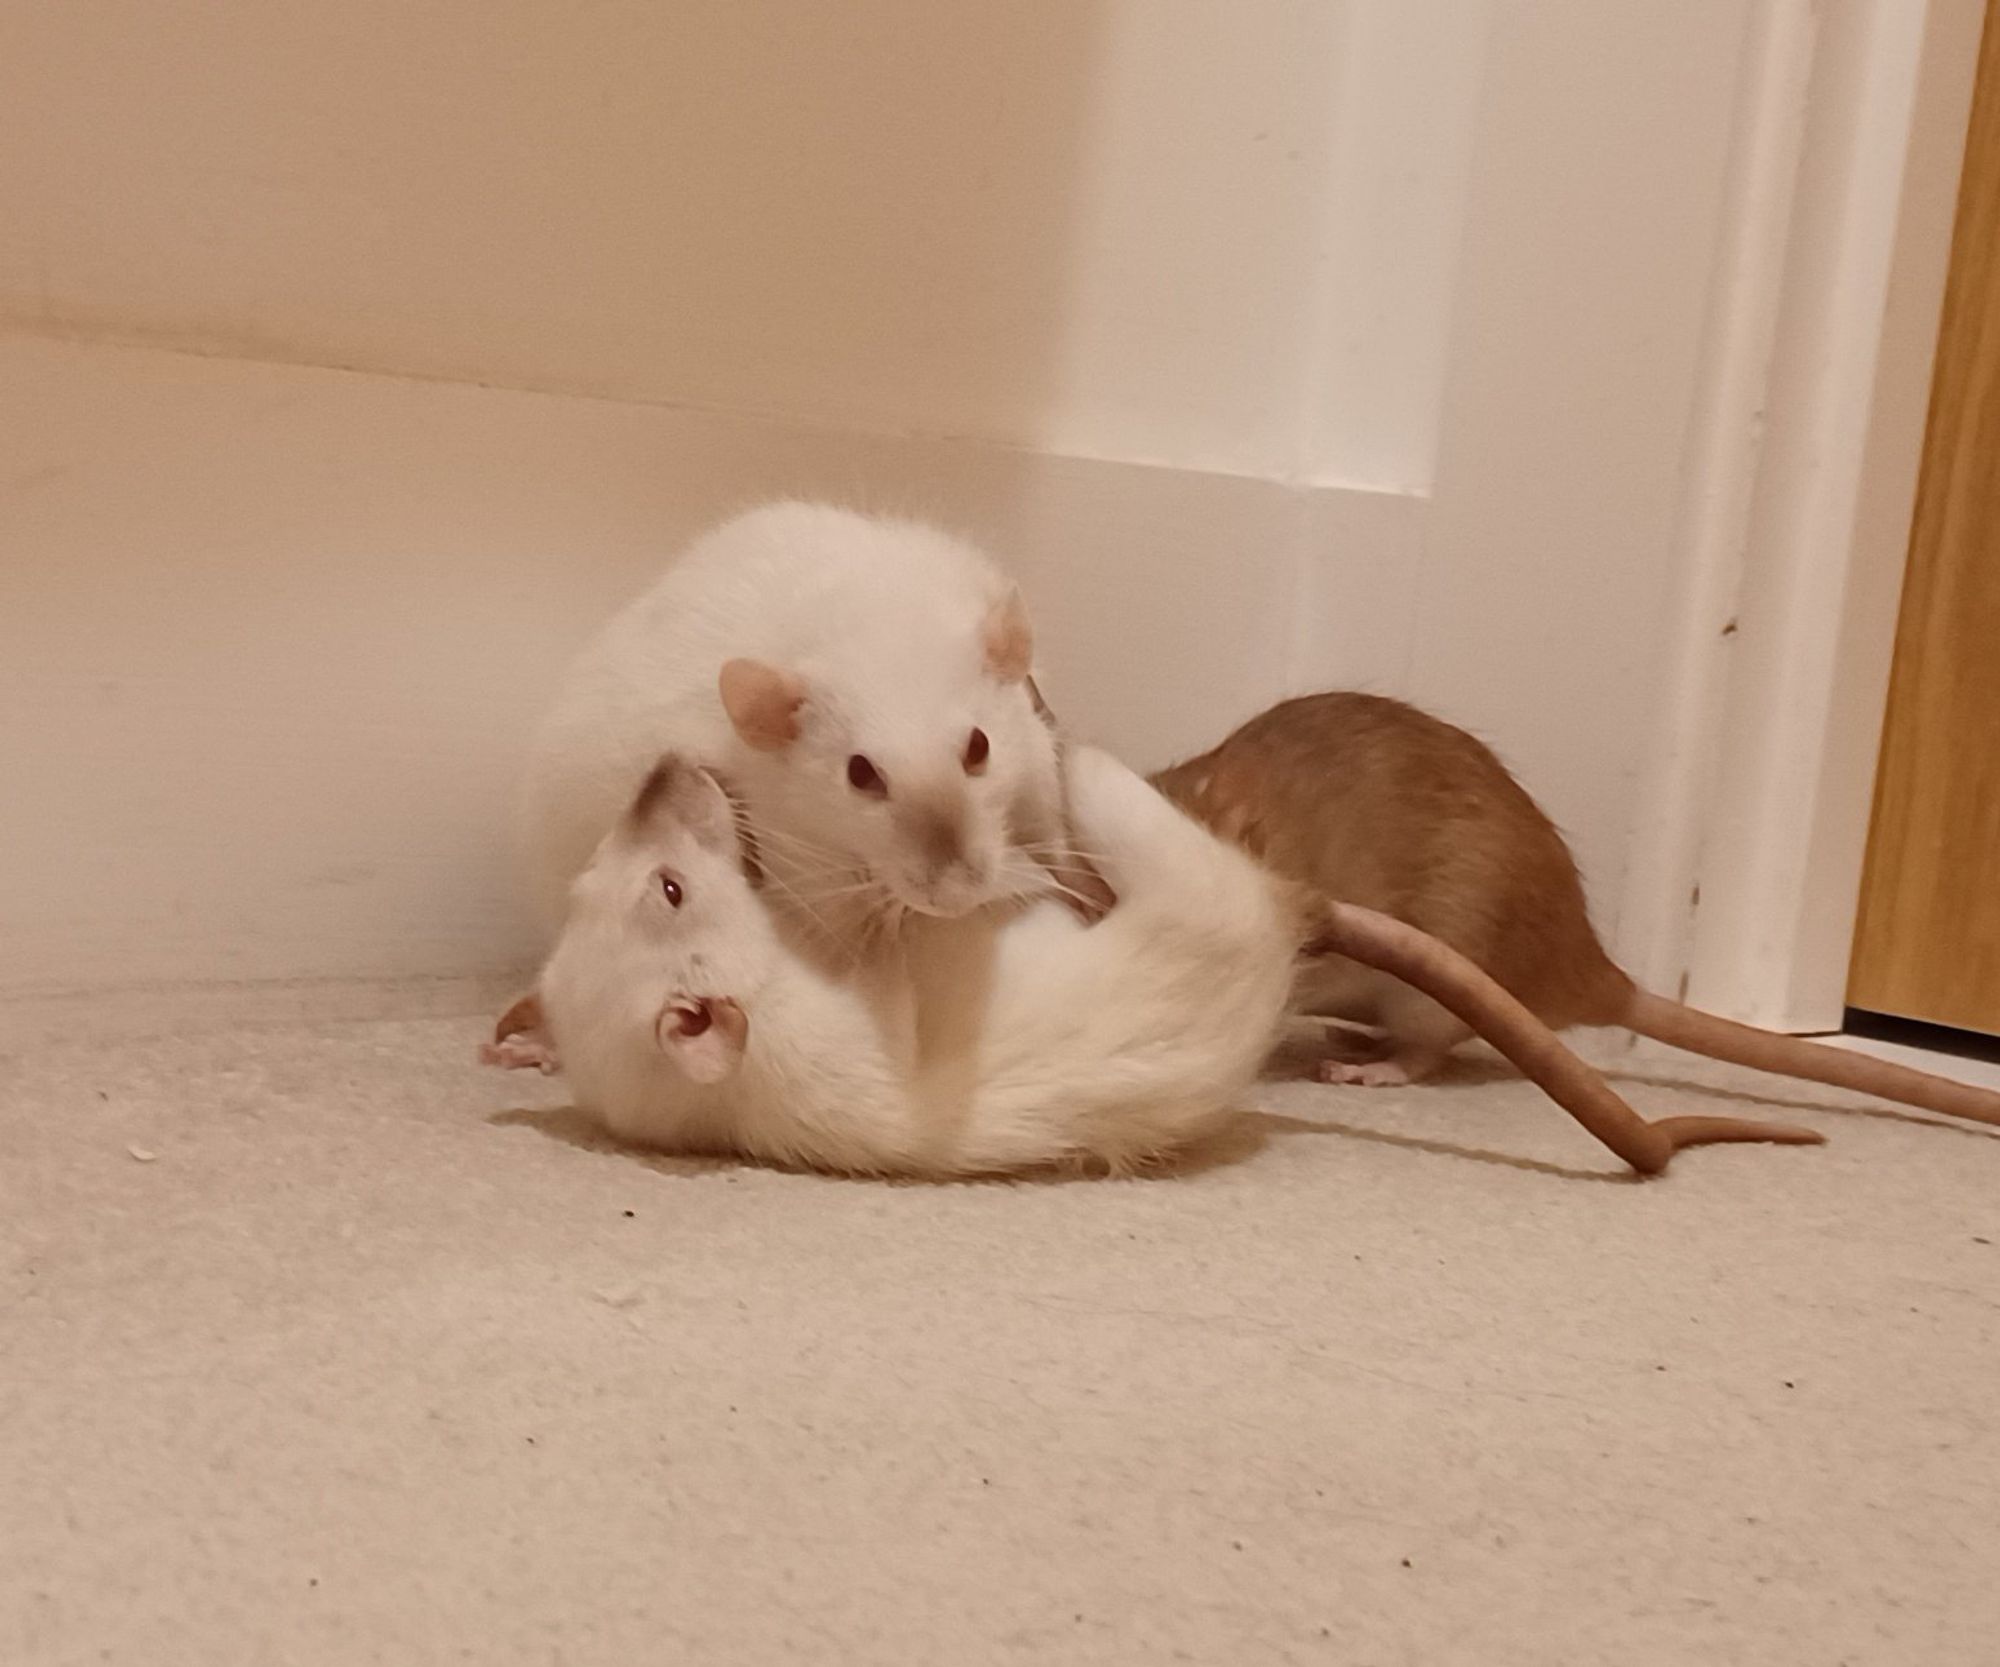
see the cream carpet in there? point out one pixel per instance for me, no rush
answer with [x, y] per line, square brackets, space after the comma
[324, 1346]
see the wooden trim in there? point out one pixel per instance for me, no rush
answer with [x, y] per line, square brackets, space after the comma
[1923, 945]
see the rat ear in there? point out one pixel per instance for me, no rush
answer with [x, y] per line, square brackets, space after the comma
[705, 1036]
[762, 702]
[689, 796]
[1008, 640]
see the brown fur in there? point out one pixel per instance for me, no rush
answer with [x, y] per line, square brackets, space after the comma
[1369, 801]
[1376, 803]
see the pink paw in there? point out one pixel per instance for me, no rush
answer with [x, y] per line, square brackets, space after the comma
[1371, 1073]
[520, 1053]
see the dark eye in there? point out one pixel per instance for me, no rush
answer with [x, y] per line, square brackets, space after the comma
[670, 888]
[977, 747]
[863, 777]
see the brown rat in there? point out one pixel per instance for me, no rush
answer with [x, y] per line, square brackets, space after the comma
[1372, 802]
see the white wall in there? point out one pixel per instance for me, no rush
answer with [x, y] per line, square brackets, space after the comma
[270, 637]
[1139, 229]
[1278, 344]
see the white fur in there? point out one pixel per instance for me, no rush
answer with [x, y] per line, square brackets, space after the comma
[1039, 1042]
[881, 620]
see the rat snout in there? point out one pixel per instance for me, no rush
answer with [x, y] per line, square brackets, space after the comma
[935, 829]
[946, 874]
[955, 891]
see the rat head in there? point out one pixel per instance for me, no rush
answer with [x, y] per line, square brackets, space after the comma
[665, 940]
[912, 753]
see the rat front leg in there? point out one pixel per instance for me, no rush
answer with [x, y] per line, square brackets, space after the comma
[520, 1053]
[521, 1039]
[1394, 1071]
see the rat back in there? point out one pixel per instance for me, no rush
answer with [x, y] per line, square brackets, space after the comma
[1367, 800]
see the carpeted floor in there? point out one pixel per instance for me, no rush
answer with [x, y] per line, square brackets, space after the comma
[323, 1346]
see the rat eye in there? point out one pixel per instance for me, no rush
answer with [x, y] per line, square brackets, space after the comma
[863, 777]
[977, 750]
[670, 888]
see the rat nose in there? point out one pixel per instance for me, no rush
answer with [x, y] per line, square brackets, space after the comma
[957, 887]
[935, 829]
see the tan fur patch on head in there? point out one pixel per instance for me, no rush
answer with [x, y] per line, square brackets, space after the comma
[655, 790]
[686, 794]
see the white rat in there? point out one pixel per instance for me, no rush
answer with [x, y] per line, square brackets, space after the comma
[689, 1017]
[863, 685]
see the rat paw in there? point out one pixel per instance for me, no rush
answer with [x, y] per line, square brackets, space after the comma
[520, 1053]
[1366, 1073]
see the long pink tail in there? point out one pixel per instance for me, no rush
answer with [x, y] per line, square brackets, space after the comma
[1788, 1056]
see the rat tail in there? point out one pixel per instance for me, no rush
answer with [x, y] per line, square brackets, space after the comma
[1789, 1056]
[1457, 984]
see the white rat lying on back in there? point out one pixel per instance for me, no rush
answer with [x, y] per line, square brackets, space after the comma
[862, 683]
[689, 1017]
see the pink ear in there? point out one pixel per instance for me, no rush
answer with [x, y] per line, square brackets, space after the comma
[763, 703]
[705, 1036]
[1009, 642]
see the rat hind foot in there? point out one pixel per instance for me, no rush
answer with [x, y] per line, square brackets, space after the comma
[1363, 1073]
[1367, 1059]
[1417, 1035]
[1397, 1071]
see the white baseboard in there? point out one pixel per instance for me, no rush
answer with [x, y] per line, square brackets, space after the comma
[115, 1012]
[1786, 827]
[270, 637]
